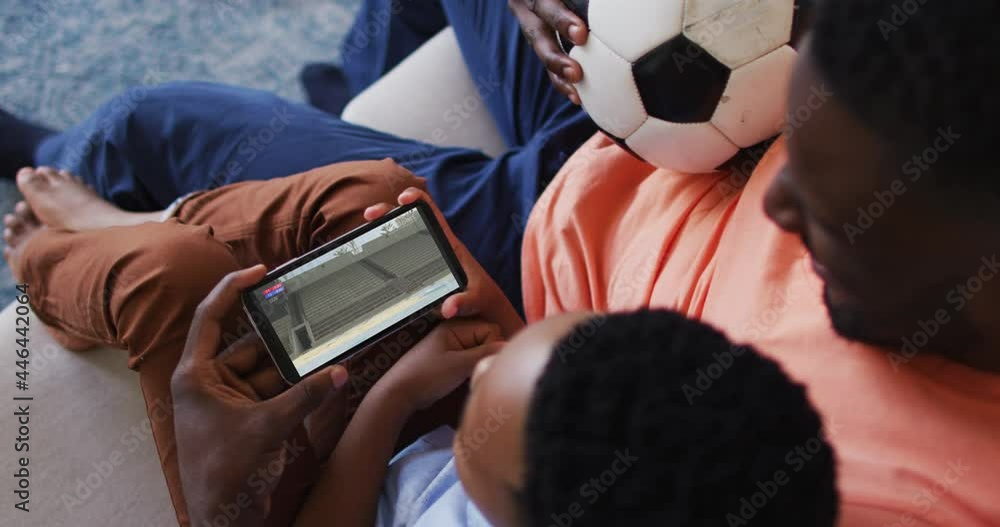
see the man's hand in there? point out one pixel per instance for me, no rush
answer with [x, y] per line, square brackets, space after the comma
[483, 297]
[540, 20]
[232, 443]
[439, 363]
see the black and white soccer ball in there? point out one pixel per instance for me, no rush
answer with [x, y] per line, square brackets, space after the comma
[685, 84]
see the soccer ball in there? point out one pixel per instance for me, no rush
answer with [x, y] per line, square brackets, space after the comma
[684, 84]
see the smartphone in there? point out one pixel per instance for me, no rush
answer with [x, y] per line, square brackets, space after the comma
[337, 300]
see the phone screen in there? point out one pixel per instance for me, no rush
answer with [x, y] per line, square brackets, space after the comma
[348, 294]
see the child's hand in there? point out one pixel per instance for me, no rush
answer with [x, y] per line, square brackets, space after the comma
[440, 363]
[482, 297]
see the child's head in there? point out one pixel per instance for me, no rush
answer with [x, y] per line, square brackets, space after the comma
[640, 419]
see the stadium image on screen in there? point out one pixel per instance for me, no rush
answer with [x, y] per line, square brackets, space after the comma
[327, 307]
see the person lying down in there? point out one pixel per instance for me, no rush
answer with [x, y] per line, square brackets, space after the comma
[584, 419]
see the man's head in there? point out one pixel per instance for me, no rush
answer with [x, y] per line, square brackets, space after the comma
[890, 180]
[640, 419]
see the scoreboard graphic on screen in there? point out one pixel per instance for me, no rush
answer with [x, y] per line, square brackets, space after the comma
[274, 290]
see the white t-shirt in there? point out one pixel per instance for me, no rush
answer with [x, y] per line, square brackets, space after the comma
[422, 488]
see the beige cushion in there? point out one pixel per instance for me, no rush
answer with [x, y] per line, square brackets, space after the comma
[431, 97]
[88, 434]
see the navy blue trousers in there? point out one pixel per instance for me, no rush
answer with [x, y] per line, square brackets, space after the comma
[150, 145]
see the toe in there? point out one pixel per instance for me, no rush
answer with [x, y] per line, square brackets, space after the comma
[75, 178]
[30, 179]
[36, 182]
[8, 236]
[25, 175]
[50, 174]
[13, 224]
[24, 213]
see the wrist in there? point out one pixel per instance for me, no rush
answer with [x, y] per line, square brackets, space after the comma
[392, 401]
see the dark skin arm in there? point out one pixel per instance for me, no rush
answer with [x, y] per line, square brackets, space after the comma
[540, 21]
[350, 486]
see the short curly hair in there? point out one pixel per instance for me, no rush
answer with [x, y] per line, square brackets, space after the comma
[624, 429]
[911, 69]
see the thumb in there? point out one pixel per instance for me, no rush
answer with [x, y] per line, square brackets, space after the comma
[291, 408]
[488, 349]
[472, 356]
[475, 302]
[326, 423]
[462, 304]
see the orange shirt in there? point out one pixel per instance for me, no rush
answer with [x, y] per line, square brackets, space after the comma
[918, 444]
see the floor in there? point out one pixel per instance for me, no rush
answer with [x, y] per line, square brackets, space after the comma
[60, 59]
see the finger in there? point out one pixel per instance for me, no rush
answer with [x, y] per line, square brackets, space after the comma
[469, 332]
[243, 355]
[375, 212]
[542, 38]
[267, 382]
[476, 300]
[326, 424]
[206, 327]
[565, 87]
[540, 27]
[557, 15]
[471, 357]
[489, 349]
[464, 304]
[290, 409]
[413, 194]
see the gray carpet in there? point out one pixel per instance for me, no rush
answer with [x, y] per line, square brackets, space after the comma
[60, 59]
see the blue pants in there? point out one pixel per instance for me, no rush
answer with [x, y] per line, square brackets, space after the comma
[148, 146]
[385, 33]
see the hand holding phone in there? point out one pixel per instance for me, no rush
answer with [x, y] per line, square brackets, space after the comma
[339, 299]
[482, 296]
[223, 397]
[439, 363]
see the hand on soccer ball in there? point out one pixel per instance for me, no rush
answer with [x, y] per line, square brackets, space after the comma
[540, 20]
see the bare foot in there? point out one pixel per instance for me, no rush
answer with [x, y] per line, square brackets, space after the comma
[19, 227]
[61, 200]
